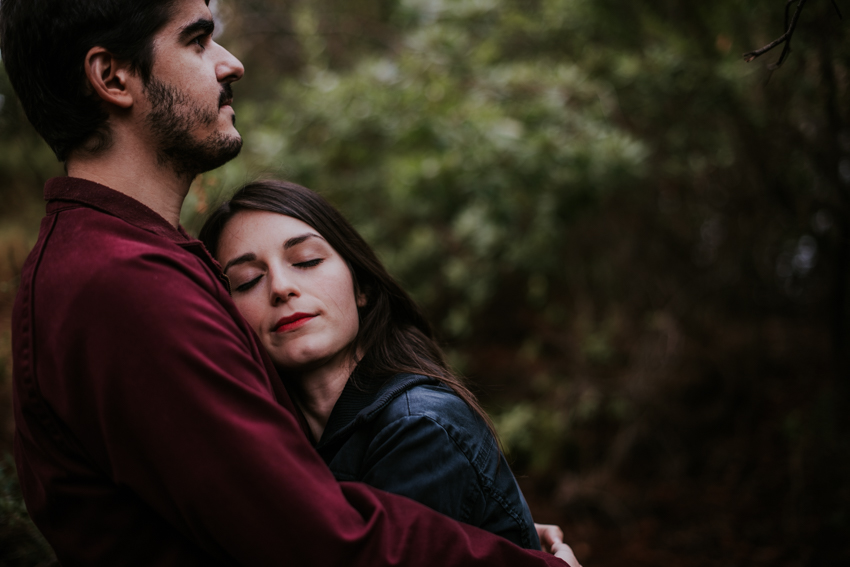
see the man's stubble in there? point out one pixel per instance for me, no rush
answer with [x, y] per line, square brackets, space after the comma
[173, 118]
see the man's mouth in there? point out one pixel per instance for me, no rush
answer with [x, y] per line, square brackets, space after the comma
[226, 96]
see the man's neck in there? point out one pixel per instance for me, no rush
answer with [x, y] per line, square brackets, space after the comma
[136, 174]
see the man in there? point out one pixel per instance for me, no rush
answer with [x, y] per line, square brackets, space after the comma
[151, 427]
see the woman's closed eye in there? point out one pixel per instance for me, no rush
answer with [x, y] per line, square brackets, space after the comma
[248, 285]
[309, 263]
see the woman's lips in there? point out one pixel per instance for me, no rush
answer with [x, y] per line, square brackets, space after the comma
[291, 322]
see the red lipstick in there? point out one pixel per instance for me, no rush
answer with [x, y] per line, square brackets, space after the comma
[291, 322]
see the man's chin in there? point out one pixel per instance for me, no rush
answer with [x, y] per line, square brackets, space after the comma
[237, 147]
[226, 152]
[193, 159]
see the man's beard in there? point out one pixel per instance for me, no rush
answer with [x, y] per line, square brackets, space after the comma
[173, 117]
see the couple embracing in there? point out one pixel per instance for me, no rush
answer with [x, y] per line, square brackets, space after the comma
[268, 397]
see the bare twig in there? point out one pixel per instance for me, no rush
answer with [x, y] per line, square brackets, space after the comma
[761, 51]
[787, 12]
[790, 27]
[784, 38]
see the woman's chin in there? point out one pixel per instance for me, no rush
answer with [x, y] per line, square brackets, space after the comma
[301, 364]
[311, 362]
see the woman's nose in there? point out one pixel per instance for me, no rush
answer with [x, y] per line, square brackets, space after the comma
[282, 288]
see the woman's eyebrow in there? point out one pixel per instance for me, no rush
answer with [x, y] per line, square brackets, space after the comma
[249, 257]
[296, 240]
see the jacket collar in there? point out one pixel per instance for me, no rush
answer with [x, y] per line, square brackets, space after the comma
[357, 405]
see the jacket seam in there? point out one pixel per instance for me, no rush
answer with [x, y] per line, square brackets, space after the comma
[484, 482]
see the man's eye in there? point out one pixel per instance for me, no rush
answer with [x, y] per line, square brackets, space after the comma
[200, 41]
[248, 285]
[309, 263]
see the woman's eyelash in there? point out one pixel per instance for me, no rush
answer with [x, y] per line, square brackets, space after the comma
[251, 283]
[248, 285]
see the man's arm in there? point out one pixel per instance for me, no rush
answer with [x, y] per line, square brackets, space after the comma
[187, 419]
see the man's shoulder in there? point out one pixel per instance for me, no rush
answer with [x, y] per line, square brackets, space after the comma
[87, 258]
[82, 243]
[102, 237]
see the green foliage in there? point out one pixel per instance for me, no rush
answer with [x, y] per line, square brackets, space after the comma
[531, 436]
[20, 540]
[454, 161]
[25, 159]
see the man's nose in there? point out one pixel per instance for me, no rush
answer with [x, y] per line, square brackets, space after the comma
[229, 68]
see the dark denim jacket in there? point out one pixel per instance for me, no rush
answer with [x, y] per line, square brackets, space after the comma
[416, 438]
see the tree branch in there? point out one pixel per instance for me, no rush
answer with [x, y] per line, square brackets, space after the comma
[784, 38]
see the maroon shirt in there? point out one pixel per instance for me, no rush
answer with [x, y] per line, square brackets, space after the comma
[153, 430]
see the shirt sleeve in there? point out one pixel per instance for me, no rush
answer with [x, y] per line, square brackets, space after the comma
[178, 410]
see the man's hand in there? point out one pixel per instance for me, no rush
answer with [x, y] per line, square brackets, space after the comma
[552, 540]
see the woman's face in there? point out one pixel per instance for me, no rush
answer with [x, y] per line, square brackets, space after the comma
[292, 288]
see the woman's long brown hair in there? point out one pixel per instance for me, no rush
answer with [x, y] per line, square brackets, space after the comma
[394, 337]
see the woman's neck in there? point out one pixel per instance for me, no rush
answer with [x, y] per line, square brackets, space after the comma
[319, 389]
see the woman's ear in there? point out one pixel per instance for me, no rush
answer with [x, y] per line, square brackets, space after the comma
[362, 300]
[109, 78]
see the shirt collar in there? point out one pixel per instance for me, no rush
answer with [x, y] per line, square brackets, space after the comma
[62, 190]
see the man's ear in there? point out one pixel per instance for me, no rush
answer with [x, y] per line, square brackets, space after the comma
[109, 78]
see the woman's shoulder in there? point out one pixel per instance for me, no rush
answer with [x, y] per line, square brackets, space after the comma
[435, 404]
[424, 396]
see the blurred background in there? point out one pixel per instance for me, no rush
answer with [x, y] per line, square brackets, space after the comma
[633, 243]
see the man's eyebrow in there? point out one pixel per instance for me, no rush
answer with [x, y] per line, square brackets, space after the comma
[249, 257]
[201, 25]
[296, 240]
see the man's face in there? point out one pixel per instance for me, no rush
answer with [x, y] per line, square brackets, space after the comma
[189, 116]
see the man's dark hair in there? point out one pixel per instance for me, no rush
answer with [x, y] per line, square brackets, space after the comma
[44, 43]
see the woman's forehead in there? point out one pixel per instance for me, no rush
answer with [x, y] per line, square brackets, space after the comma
[256, 229]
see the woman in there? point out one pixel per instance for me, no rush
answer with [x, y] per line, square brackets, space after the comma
[361, 360]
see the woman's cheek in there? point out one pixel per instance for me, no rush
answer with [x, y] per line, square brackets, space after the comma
[250, 313]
